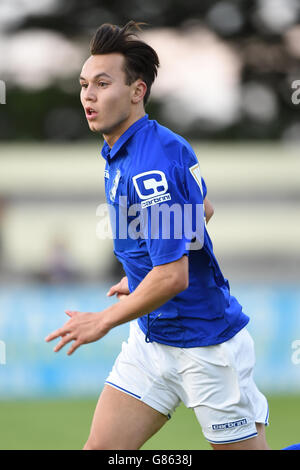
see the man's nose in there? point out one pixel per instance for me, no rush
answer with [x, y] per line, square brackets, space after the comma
[90, 95]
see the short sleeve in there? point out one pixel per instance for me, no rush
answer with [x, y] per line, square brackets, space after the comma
[170, 196]
[204, 188]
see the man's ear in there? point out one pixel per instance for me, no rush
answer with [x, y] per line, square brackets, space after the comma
[139, 91]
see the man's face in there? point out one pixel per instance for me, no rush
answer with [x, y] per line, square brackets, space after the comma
[104, 95]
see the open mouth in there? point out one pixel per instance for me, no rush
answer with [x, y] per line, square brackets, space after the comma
[90, 113]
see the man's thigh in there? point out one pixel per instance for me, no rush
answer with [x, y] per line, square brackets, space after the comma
[122, 422]
[229, 405]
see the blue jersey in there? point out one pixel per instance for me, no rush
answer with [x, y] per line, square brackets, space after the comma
[151, 176]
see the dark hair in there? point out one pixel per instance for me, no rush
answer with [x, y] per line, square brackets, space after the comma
[141, 61]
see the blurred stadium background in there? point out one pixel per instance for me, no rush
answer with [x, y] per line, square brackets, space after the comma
[228, 82]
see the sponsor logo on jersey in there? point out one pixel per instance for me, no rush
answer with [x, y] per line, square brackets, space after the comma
[155, 200]
[151, 187]
[106, 174]
[231, 424]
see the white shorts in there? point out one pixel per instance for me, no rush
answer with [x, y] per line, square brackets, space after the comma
[216, 381]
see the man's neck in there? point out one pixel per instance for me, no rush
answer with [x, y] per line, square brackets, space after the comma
[112, 138]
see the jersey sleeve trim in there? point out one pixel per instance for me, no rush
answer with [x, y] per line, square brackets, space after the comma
[169, 258]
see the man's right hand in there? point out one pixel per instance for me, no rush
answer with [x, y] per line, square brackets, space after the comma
[121, 289]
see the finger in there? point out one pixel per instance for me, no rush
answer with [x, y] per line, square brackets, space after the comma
[74, 346]
[66, 339]
[71, 313]
[60, 332]
[113, 290]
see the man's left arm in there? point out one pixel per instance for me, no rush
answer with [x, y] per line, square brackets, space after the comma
[209, 209]
[161, 284]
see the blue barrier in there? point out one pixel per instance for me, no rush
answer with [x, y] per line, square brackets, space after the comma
[32, 370]
[274, 312]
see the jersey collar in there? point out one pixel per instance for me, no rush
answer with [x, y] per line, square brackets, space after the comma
[111, 152]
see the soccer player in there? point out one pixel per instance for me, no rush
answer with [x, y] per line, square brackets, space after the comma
[188, 340]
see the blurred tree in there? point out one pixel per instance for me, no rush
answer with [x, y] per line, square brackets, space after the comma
[255, 29]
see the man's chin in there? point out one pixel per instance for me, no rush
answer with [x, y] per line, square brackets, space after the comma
[94, 127]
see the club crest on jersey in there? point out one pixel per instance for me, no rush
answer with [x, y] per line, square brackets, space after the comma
[151, 187]
[114, 187]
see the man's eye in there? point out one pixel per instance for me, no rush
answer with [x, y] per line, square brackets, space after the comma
[84, 85]
[102, 84]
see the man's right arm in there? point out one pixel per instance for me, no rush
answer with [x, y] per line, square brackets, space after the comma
[121, 288]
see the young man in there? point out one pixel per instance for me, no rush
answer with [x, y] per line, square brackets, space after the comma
[188, 340]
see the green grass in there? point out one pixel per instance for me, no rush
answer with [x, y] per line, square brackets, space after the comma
[64, 424]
